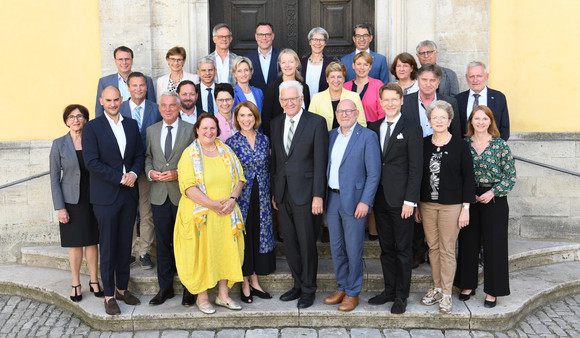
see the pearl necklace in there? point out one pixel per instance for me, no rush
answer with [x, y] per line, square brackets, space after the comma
[440, 144]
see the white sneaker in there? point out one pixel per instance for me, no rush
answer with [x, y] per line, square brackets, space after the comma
[432, 297]
[445, 304]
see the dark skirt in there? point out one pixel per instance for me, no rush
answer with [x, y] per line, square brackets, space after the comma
[255, 262]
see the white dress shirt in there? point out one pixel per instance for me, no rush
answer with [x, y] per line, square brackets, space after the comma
[123, 88]
[119, 133]
[222, 68]
[265, 63]
[203, 93]
[427, 130]
[132, 106]
[189, 118]
[163, 136]
[287, 124]
[471, 100]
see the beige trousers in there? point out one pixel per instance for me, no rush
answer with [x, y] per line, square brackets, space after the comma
[142, 244]
[441, 226]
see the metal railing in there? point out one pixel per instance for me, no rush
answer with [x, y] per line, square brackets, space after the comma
[22, 180]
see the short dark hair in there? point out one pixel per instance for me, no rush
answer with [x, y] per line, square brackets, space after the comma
[223, 87]
[253, 108]
[404, 58]
[430, 67]
[202, 117]
[183, 83]
[390, 86]
[262, 23]
[365, 25]
[71, 107]
[134, 75]
[122, 49]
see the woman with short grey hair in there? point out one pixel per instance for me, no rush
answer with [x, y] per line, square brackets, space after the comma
[313, 65]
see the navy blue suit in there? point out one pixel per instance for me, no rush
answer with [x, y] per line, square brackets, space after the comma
[112, 80]
[497, 102]
[148, 118]
[115, 205]
[257, 79]
[358, 178]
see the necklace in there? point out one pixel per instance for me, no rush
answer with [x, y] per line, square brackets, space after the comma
[209, 150]
[314, 62]
[441, 144]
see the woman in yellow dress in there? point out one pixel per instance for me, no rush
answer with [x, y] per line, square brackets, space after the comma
[209, 230]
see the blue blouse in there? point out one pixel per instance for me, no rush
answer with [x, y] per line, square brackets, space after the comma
[256, 165]
[239, 96]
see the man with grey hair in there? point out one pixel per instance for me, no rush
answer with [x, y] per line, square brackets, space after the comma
[166, 141]
[298, 168]
[427, 53]
[479, 94]
[206, 87]
[222, 58]
[362, 36]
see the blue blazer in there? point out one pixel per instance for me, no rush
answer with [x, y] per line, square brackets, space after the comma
[360, 169]
[150, 117]
[239, 96]
[104, 161]
[497, 102]
[257, 79]
[379, 70]
[111, 80]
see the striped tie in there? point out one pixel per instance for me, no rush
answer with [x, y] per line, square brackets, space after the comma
[138, 116]
[290, 136]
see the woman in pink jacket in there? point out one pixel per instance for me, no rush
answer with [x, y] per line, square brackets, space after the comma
[366, 87]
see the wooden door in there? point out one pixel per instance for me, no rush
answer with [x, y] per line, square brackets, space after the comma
[292, 20]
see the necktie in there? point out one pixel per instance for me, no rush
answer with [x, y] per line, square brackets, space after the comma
[168, 142]
[138, 116]
[387, 137]
[290, 136]
[476, 101]
[209, 101]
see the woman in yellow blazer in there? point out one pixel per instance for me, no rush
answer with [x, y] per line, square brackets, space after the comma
[325, 102]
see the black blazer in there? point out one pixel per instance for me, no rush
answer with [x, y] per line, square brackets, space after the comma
[272, 107]
[303, 170]
[257, 79]
[497, 102]
[410, 109]
[322, 84]
[402, 164]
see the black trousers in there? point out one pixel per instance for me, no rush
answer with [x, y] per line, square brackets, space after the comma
[488, 225]
[419, 243]
[396, 241]
[164, 219]
[300, 230]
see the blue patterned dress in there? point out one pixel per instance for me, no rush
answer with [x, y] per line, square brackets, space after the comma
[254, 203]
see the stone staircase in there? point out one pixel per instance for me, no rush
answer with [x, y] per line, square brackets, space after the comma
[540, 271]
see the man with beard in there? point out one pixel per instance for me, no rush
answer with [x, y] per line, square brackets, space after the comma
[188, 97]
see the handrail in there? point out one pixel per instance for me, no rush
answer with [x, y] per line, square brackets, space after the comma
[22, 180]
[566, 171]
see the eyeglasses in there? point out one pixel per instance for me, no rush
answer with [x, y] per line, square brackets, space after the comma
[345, 112]
[440, 118]
[75, 117]
[290, 99]
[222, 36]
[221, 101]
[318, 40]
[426, 53]
[174, 60]
[264, 35]
[362, 36]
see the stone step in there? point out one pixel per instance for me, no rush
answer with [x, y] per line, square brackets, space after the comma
[531, 288]
[371, 249]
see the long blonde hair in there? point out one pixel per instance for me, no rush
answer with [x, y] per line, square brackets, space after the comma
[290, 51]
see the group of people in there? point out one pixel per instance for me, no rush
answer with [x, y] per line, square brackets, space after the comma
[203, 166]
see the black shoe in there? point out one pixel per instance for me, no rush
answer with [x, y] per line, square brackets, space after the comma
[111, 307]
[99, 293]
[489, 303]
[381, 299]
[188, 299]
[399, 306]
[293, 294]
[146, 262]
[162, 296]
[261, 294]
[465, 297]
[306, 300]
[373, 238]
[77, 297]
[127, 297]
[325, 236]
[132, 262]
[247, 299]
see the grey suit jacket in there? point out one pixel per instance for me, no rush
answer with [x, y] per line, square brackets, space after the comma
[448, 85]
[155, 160]
[231, 79]
[65, 173]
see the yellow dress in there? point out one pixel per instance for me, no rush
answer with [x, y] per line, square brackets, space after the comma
[205, 255]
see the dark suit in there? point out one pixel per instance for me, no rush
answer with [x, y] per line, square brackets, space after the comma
[112, 80]
[115, 205]
[297, 177]
[402, 168]
[358, 177]
[165, 196]
[497, 102]
[322, 84]
[257, 79]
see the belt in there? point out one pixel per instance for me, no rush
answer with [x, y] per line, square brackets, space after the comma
[336, 191]
[484, 185]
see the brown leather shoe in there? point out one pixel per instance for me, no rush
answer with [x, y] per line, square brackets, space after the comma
[336, 298]
[418, 259]
[348, 303]
[111, 307]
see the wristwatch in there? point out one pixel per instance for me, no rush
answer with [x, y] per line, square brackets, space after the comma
[466, 207]
[234, 198]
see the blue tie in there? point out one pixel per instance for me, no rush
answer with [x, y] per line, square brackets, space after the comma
[138, 116]
[209, 101]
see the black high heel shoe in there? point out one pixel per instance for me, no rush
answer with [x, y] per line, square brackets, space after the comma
[490, 303]
[247, 299]
[100, 293]
[465, 297]
[258, 293]
[76, 297]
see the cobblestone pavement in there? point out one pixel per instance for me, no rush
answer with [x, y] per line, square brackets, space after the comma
[21, 317]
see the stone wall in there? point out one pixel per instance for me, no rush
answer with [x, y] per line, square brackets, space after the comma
[545, 204]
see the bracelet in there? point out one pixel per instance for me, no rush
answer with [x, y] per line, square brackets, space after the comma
[234, 198]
